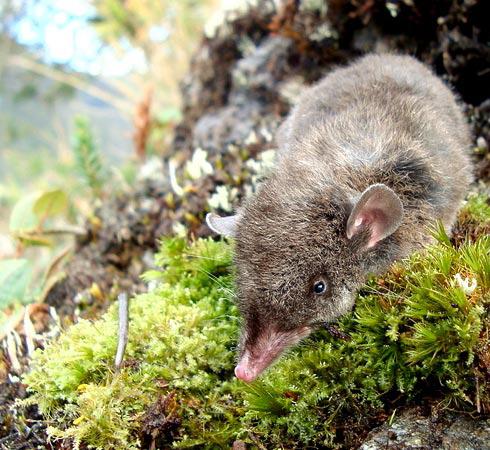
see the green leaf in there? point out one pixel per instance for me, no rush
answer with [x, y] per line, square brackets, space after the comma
[33, 240]
[439, 232]
[50, 203]
[23, 217]
[169, 115]
[15, 276]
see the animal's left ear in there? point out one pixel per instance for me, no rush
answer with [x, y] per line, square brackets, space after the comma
[379, 209]
[226, 226]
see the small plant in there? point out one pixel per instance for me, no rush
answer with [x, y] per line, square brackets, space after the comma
[39, 217]
[15, 278]
[419, 329]
[32, 223]
[87, 157]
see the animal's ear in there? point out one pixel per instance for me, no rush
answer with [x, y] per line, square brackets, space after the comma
[226, 226]
[379, 209]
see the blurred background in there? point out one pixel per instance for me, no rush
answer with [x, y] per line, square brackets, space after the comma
[105, 61]
[86, 88]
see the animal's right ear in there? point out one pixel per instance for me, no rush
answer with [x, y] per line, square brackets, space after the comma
[380, 210]
[226, 226]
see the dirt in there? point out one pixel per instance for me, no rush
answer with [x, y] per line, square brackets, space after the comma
[160, 422]
[241, 84]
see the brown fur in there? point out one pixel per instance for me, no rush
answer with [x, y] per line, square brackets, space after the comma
[384, 119]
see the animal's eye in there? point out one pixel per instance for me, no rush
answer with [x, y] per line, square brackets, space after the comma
[320, 287]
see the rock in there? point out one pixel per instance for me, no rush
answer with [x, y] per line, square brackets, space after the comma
[412, 430]
[249, 108]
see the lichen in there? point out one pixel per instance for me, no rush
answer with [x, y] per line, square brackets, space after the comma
[419, 329]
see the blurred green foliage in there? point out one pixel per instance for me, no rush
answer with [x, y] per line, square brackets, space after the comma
[15, 278]
[167, 33]
[88, 160]
[44, 217]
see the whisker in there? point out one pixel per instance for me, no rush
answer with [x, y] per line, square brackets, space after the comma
[194, 255]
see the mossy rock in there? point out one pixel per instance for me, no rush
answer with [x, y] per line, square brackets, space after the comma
[420, 328]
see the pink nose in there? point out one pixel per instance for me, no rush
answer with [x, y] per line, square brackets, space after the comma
[244, 373]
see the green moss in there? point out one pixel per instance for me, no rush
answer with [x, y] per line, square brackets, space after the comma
[477, 208]
[418, 329]
[181, 337]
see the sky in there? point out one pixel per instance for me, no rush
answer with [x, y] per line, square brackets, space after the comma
[61, 32]
[59, 29]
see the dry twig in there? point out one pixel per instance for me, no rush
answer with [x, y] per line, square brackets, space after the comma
[123, 329]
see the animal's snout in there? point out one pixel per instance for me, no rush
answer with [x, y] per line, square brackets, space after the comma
[265, 350]
[245, 373]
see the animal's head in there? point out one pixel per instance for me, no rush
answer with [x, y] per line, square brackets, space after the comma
[300, 260]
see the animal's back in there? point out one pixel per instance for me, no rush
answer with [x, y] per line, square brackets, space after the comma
[384, 113]
[383, 83]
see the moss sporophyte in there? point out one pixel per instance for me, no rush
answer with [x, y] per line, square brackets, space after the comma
[420, 328]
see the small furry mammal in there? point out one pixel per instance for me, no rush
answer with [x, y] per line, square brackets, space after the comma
[368, 159]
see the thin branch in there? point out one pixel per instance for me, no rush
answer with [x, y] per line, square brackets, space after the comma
[29, 333]
[72, 80]
[336, 333]
[66, 229]
[172, 169]
[123, 329]
[12, 352]
[477, 400]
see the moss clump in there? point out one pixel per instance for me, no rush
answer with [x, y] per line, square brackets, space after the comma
[181, 339]
[414, 330]
[420, 328]
[474, 219]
